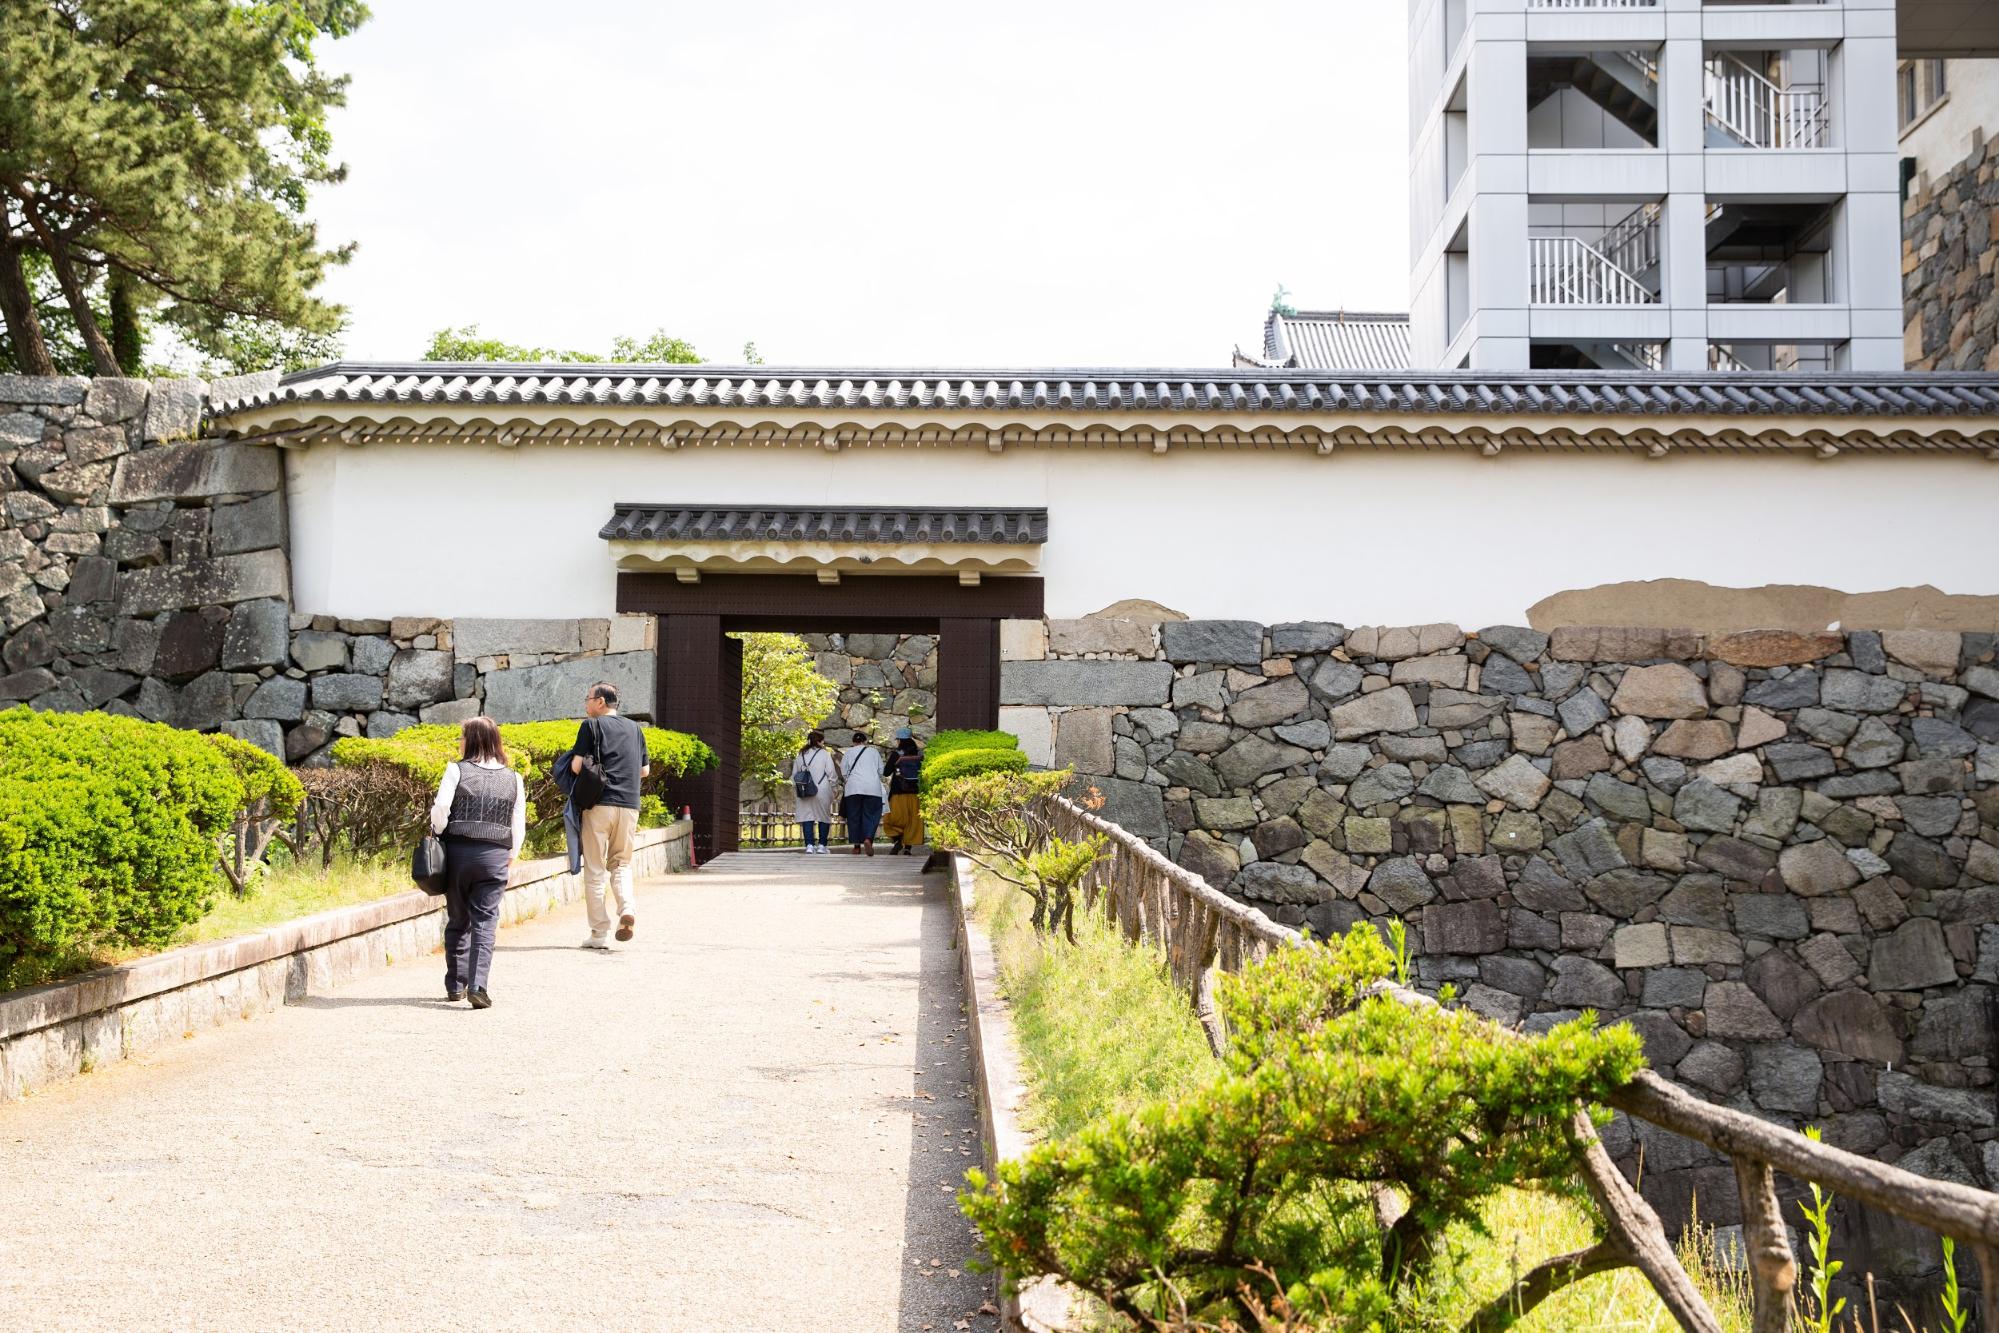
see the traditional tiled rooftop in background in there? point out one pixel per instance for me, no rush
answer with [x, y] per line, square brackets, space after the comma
[387, 385]
[724, 523]
[1332, 340]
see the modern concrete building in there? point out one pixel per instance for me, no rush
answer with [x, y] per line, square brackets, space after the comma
[1654, 184]
[1947, 110]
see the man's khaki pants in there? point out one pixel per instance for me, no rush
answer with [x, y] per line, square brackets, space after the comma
[607, 855]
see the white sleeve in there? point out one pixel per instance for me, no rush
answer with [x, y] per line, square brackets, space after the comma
[520, 814]
[440, 809]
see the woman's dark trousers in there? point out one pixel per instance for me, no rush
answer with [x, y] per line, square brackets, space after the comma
[475, 879]
[864, 816]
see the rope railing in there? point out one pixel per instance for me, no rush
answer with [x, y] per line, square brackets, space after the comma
[1201, 930]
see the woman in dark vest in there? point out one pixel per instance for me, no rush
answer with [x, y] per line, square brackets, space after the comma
[481, 813]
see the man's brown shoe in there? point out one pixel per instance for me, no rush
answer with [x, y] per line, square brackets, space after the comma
[625, 924]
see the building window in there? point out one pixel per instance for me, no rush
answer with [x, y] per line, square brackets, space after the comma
[1920, 85]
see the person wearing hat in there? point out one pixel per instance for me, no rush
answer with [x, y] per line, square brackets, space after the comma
[905, 808]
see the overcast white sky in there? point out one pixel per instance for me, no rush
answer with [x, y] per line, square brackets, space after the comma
[1097, 182]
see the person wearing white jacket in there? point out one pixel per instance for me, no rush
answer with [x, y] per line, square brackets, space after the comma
[481, 814]
[812, 773]
[862, 770]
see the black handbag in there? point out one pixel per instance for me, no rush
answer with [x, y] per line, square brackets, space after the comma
[589, 786]
[427, 864]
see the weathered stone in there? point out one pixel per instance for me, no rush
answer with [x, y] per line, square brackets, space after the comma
[1626, 802]
[1619, 643]
[1451, 785]
[1703, 805]
[1074, 638]
[1697, 900]
[1267, 881]
[1955, 1027]
[1641, 946]
[1742, 861]
[257, 635]
[189, 644]
[1713, 1066]
[556, 690]
[1463, 928]
[1735, 1013]
[1780, 983]
[1922, 862]
[1758, 728]
[1773, 647]
[21, 686]
[1252, 757]
[1385, 710]
[1776, 916]
[1343, 763]
[386, 723]
[1927, 777]
[204, 703]
[1402, 884]
[173, 411]
[279, 699]
[196, 471]
[1858, 692]
[1581, 712]
[1311, 735]
[1306, 636]
[1451, 708]
[1226, 813]
[1816, 868]
[1798, 688]
[1798, 762]
[1913, 957]
[370, 653]
[264, 734]
[1336, 679]
[1785, 1078]
[1662, 691]
[1274, 837]
[1902, 1095]
[1266, 704]
[1933, 652]
[1697, 946]
[346, 692]
[1875, 745]
[1390, 782]
[1697, 739]
[1516, 782]
[1852, 1023]
[1184, 770]
[1674, 988]
[1222, 642]
[1502, 675]
[1079, 684]
[1938, 737]
[222, 581]
[1931, 816]
[1520, 644]
[1449, 670]
[250, 526]
[417, 677]
[1578, 759]
[1209, 857]
[473, 638]
[1585, 983]
[1137, 807]
[449, 713]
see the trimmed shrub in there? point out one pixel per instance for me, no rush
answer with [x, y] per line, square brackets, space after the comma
[420, 754]
[272, 796]
[944, 742]
[938, 770]
[109, 832]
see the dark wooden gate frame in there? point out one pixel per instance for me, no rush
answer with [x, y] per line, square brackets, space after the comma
[699, 683]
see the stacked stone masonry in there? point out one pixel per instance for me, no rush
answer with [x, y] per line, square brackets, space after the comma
[886, 680]
[1950, 306]
[143, 571]
[1775, 854]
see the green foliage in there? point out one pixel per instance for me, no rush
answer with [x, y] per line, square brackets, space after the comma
[109, 831]
[272, 796]
[1955, 1313]
[963, 763]
[653, 812]
[1331, 1089]
[1001, 817]
[465, 344]
[1821, 1308]
[156, 157]
[784, 696]
[944, 742]
[422, 753]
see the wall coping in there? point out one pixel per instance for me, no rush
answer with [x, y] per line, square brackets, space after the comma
[38, 1007]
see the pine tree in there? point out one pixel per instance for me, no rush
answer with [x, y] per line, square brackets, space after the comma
[155, 157]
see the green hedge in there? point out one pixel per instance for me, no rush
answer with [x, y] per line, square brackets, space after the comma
[111, 829]
[944, 742]
[423, 752]
[1001, 756]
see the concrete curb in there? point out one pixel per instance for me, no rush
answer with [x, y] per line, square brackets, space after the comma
[53, 1032]
[1042, 1305]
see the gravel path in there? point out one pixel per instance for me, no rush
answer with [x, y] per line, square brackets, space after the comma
[752, 1117]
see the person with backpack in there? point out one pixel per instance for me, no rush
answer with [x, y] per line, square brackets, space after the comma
[812, 772]
[861, 773]
[609, 762]
[480, 813]
[905, 804]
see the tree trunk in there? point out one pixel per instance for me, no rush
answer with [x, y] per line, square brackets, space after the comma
[17, 303]
[128, 339]
[56, 246]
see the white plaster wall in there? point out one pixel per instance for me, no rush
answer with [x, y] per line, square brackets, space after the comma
[1943, 139]
[1362, 537]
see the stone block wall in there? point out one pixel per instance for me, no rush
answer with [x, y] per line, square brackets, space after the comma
[879, 675]
[1950, 309]
[1775, 854]
[143, 571]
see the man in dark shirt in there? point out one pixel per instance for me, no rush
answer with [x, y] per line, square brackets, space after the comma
[617, 743]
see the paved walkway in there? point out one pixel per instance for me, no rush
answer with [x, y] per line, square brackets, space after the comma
[751, 1118]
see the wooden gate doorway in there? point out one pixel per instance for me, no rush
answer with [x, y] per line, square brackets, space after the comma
[699, 685]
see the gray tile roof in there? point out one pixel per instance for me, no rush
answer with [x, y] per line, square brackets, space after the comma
[736, 523]
[1333, 340]
[350, 385]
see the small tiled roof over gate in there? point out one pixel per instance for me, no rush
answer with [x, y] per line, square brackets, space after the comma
[739, 523]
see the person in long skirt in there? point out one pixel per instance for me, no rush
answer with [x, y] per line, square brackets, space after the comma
[861, 771]
[481, 814]
[905, 804]
[814, 799]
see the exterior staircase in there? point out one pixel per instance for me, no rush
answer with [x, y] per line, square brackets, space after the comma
[1743, 107]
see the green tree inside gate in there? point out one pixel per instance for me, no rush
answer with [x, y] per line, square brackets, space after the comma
[784, 696]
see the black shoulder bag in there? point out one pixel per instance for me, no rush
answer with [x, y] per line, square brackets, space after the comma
[590, 785]
[427, 863]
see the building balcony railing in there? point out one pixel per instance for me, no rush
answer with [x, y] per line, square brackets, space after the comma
[1755, 112]
[1567, 270]
[1592, 4]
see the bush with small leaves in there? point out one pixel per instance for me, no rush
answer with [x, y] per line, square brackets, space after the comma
[1346, 1130]
[1002, 818]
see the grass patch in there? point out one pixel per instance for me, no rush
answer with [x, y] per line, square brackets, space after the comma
[1101, 1028]
[1103, 1031]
